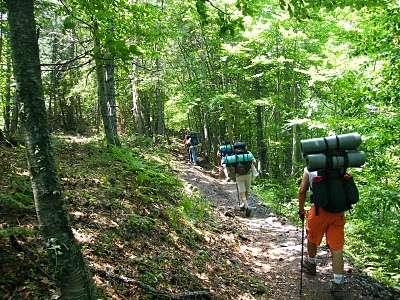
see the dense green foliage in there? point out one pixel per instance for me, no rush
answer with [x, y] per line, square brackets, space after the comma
[313, 68]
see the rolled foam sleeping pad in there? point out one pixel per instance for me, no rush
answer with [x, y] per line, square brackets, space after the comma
[321, 161]
[349, 141]
[233, 159]
[226, 148]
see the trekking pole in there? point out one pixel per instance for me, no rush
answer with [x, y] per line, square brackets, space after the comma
[302, 254]
[238, 196]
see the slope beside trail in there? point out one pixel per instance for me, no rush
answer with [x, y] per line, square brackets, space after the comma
[270, 247]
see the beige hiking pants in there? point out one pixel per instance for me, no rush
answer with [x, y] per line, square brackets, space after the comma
[243, 182]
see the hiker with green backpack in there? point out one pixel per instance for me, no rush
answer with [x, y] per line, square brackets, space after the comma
[243, 163]
[333, 192]
[225, 150]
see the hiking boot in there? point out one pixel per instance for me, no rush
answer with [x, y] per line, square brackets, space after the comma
[242, 207]
[248, 212]
[338, 291]
[309, 267]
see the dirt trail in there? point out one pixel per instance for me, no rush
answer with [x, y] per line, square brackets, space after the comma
[271, 246]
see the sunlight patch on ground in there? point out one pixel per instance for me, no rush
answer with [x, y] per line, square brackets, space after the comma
[252, 250]
[78, 139]
[179, 244]
[156, 158]
[262, 267]
[245, 297]
[208, 236]
[103, 221]
[268, 223]
[21, 172]
[189, 189]
[228, 237]
[203, 276]
[83, 237]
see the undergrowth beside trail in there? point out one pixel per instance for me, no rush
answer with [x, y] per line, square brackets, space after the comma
[132, 218]
[280, 197]
[371, 243]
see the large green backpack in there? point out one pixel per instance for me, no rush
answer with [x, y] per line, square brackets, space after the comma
[334, 191]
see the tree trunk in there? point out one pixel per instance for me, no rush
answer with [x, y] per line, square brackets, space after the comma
[68, 263]
[1, 37]
[160, 103]
[136, 107]
[206, 135]
[160, 125]
[69, 103]
[295, 149]
[278, 159]
[54, 84]
[262, 150]
[15, 115]
[110, 97]
[295, 132]
[3, 139]
[146, 110]
[7, 107]
[104, 105]
[79, 113]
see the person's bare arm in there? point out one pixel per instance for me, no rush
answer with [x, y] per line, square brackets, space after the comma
[303, 193]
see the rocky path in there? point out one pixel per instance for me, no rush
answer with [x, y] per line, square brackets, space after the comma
[271, 246]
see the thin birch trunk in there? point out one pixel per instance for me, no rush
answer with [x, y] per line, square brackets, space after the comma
[261, 147]
[104, 105]
[136, 107]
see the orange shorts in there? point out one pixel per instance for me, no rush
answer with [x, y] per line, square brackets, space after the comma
[330, 224]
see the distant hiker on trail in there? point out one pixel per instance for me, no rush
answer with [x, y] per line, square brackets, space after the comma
[224, 150]
[333, 192]
[186, 143]
[191, 142]
[244, 165]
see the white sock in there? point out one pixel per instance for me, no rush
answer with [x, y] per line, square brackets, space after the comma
[244, 201]
[338, 278]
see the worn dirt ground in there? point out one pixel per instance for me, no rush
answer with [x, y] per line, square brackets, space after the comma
[271, 247]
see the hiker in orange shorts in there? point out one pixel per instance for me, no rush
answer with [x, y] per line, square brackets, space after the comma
[320, 222]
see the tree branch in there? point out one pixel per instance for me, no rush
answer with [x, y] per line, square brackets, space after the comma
[217, 8]
[69, 68]
[67, 62]
[72, 15]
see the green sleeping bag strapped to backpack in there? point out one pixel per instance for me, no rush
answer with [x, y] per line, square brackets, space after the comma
[241, 162]
[225, 150]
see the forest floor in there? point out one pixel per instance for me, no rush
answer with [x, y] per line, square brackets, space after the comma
[270, 246]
